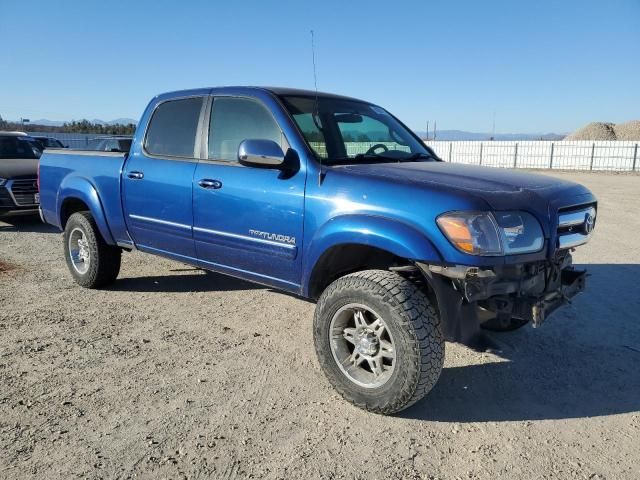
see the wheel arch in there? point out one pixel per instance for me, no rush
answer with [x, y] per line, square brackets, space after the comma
[78, 194]
[351, 243]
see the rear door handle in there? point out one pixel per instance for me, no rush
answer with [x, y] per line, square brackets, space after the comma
[210, 184]
[136, 175]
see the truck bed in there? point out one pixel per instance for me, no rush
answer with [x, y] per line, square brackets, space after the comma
[91, 175]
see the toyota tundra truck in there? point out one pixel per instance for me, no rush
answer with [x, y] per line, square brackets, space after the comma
[335, 200]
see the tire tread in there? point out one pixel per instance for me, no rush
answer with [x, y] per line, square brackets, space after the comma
[105, 266]
[417, 316]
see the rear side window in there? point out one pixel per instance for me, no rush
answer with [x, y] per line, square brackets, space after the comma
[172, 129]
[19, 147]
[236, 119]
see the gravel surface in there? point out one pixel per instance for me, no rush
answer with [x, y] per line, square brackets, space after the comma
[177, 373]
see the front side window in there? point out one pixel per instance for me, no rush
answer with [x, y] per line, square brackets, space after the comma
[236, 119]
[172, 128]
[341, 131]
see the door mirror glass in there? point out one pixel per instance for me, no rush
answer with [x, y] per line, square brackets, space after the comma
[261, 153]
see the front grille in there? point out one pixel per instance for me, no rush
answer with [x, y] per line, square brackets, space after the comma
[575, 226]
[24, 191]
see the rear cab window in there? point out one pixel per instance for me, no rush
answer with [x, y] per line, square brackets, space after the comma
[173, 128]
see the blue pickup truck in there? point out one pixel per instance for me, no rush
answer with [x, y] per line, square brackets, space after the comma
[333, 199]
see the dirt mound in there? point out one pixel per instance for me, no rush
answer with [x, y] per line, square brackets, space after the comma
[627, 131]
[607, 131]
[594, 131]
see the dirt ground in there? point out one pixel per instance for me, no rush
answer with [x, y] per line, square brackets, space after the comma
[176, 373]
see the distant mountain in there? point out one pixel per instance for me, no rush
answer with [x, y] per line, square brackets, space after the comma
[59, 123]
[121, 121]
[48, 123]
[462, 135]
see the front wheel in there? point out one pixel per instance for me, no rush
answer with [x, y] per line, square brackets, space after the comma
[378, 340]
[92, 262]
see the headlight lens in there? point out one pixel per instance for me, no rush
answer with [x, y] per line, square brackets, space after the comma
[490, 234]
[472, 232]
[520, 231]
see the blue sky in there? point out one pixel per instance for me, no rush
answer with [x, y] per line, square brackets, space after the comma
[542, 66]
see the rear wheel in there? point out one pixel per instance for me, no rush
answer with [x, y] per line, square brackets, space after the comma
[92, 262]
[378, 340]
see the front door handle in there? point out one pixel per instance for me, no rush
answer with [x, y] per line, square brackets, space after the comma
[136, 175]
[210, 184]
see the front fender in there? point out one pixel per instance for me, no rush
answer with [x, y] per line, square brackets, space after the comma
[392, 236]
[81, 188]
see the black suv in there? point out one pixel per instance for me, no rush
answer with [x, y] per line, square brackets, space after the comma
[19, 154]
[120, 143]
[49, 142]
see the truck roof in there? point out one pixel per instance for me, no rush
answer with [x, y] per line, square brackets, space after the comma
[298, 92]
[279, 91]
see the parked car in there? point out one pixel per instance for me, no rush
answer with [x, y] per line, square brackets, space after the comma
[19, 154]
[400, 249]
[49, 142]
[111, 144]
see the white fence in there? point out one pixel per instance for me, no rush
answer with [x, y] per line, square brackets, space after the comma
[562, 155]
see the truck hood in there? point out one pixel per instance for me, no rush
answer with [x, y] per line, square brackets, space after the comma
[502, 189]
[18, 167]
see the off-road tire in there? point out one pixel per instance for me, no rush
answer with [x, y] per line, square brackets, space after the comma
[104, 264]
[411, 319]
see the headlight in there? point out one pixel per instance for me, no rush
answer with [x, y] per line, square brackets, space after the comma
[520, 231]
[3, 181]
[490, 234]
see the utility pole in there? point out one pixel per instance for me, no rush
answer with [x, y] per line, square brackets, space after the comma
[427, 130]
[493, 128]
[435, 129]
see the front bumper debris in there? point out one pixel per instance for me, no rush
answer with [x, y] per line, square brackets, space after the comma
[536, 310]
[468, 296]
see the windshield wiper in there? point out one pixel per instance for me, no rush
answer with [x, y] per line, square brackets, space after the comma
[382, 158]
[418, 156]
[375, 156]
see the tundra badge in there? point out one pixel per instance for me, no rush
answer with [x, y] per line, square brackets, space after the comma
[275, 237]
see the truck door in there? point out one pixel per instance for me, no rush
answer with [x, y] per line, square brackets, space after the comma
[158, 179]
[247, 220]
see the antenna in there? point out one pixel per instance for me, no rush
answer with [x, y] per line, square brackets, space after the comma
[313, 59]
[316, 108]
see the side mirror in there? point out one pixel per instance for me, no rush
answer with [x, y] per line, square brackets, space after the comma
[260, 153]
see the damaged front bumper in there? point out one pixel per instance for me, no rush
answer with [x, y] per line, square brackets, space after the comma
[468, 296]
[572, 282]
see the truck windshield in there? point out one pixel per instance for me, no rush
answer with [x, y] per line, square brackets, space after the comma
[342, 131]
[19, 147]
